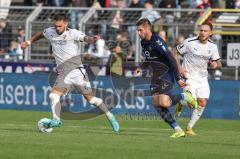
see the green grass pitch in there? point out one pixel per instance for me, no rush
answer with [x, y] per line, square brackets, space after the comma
[138, 139]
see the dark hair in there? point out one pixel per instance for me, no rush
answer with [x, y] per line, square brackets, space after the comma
[59, 17]
[149, 1]
[144, 21]
[208, 24]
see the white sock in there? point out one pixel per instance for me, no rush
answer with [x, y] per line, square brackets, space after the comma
[184, 103]
[56, 110]
[109, 115]
[55, 105]
[178, 128]
[197, 113]
[184, 96]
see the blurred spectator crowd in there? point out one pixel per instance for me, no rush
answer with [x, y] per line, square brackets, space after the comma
[10, 43]
[131, 3]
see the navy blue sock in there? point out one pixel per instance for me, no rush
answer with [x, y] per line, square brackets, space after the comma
[176, 98]
[166, 116]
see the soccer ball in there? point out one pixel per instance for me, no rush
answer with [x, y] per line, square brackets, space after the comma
[41, 125]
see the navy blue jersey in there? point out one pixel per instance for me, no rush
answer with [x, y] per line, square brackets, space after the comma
[156, 50]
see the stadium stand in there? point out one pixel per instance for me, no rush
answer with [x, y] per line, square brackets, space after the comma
[99, 20]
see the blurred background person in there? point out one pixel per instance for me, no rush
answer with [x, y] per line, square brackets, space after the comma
[97, 52]
[163, 35]
[167, 4]
[27, 2]
[15, 52]
[4, 11]
[132, 29]
[20, 34]
[205, 4]
[230, 4]
[237, 4]
[116, 59]
[116, 25]
[5, 36]
[76, 15]
[126, 45]
[179, 40]
[153, 15]
[59, 3]
[217, 74]
[135, 4]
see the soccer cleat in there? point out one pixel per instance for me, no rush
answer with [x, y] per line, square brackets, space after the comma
[55, 123]
[178, 134]
[190, 132]
[114, 124]
[45, 122]
[178, 109]
[190, 100]
[43, 125]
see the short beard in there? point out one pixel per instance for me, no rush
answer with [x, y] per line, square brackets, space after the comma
[62, 31]
[203, 40]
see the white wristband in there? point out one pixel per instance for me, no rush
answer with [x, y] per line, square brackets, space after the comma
[28, 42]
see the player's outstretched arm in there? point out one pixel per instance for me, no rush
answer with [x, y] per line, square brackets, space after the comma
[181, 70]
[91, 40]
[177, 58]
[34, 38]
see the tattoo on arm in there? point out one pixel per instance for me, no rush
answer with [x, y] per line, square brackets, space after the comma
[36, 37]
[177, 57]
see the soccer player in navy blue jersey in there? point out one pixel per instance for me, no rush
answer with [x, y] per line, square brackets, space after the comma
[165, 73]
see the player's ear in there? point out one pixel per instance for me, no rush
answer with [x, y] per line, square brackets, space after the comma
[66, 24]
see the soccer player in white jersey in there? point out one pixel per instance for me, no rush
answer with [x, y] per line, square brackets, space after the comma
[65, 43]
[198, 52]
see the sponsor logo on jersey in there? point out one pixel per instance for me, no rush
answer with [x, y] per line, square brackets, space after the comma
[159, 42]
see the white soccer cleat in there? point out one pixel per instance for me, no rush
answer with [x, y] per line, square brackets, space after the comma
[44, 125]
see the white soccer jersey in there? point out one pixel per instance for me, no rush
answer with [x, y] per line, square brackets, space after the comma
[66, 45]
[197, 56]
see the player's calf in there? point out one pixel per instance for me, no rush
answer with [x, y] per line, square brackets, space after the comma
[99, 103]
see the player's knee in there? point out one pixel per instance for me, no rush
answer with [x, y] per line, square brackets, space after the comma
[165, 104]
[202, 102]
[54, 97]
[96, 101]
[161, 101]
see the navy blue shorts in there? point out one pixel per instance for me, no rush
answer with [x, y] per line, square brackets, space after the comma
[162, 84]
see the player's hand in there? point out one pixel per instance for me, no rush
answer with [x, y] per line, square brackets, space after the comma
[181, 83]
[213, 64]
[24, 45]
[138, 72]
[183, 72]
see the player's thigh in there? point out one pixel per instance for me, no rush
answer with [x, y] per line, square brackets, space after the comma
[203, 90]
[191, 87]
[59, 86]
[59, 90]
[202, 102]
[79, 81]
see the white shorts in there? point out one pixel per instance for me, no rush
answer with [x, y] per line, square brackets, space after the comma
[75, 80]
[199, 89]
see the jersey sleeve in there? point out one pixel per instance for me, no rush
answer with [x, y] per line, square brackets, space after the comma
[215, 55]
[46, 33]
[182, 48]
[78, 35]
[162, 47]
